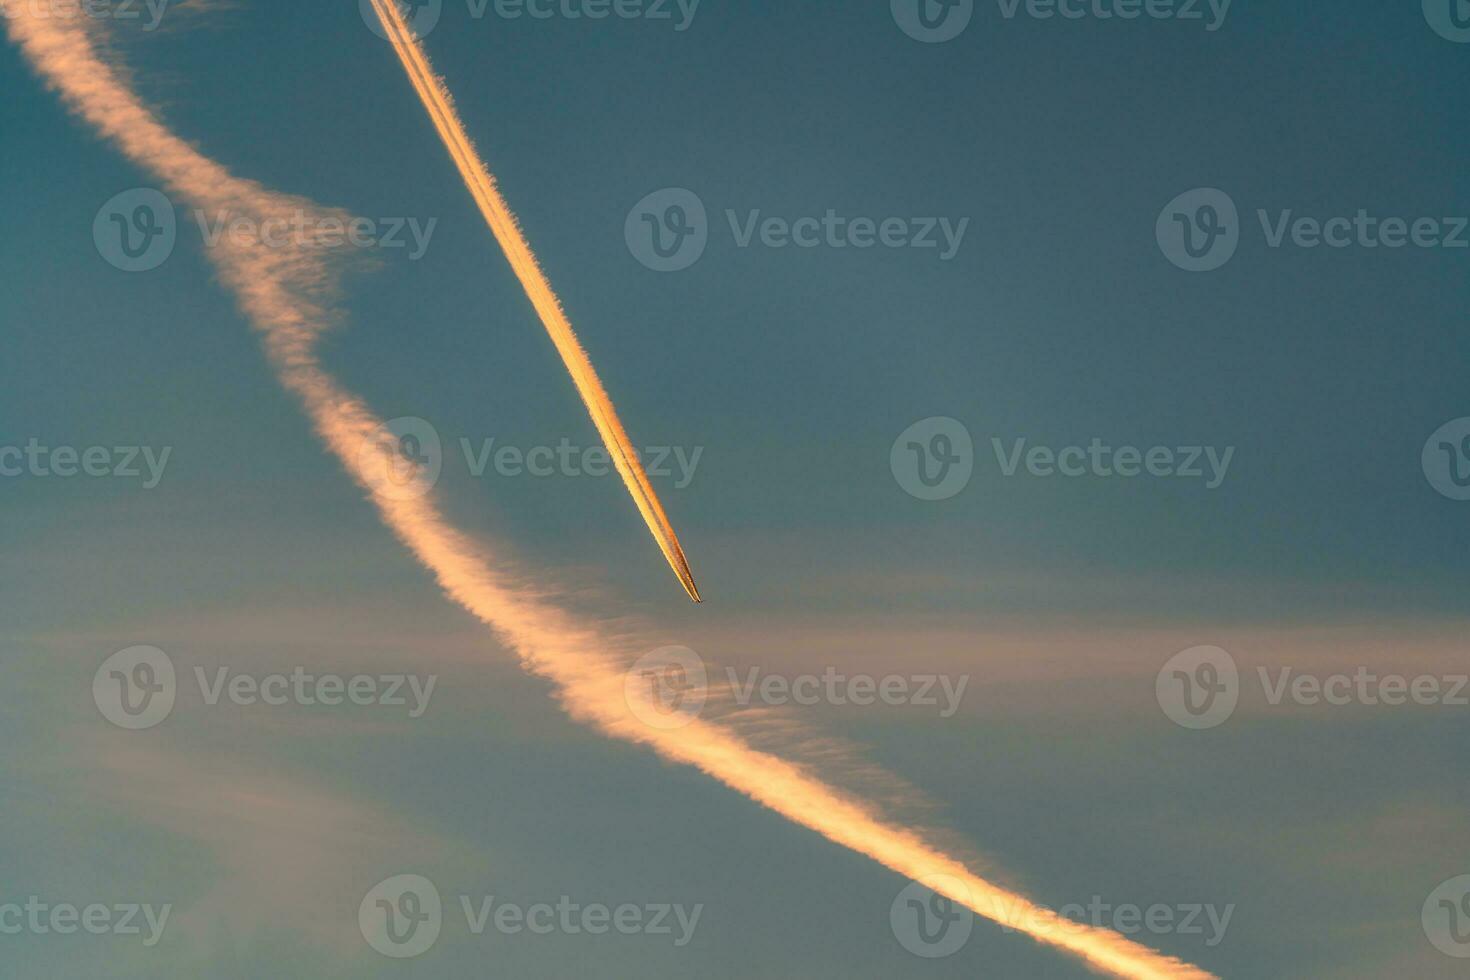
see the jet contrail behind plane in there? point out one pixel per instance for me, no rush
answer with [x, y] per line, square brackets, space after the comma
[502, 222]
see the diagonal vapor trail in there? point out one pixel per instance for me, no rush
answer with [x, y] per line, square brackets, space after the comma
[285, 291]
[517, 250]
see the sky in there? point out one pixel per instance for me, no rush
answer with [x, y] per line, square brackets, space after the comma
[781, 389]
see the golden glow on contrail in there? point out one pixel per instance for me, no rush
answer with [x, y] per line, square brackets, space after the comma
[502, 222]
[284, 292]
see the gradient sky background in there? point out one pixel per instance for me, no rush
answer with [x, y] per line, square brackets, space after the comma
[795, 370]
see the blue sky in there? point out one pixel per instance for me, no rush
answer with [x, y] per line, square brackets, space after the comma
[1058, 320]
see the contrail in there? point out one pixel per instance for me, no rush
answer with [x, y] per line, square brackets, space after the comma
[507, 231]
[286, 293]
